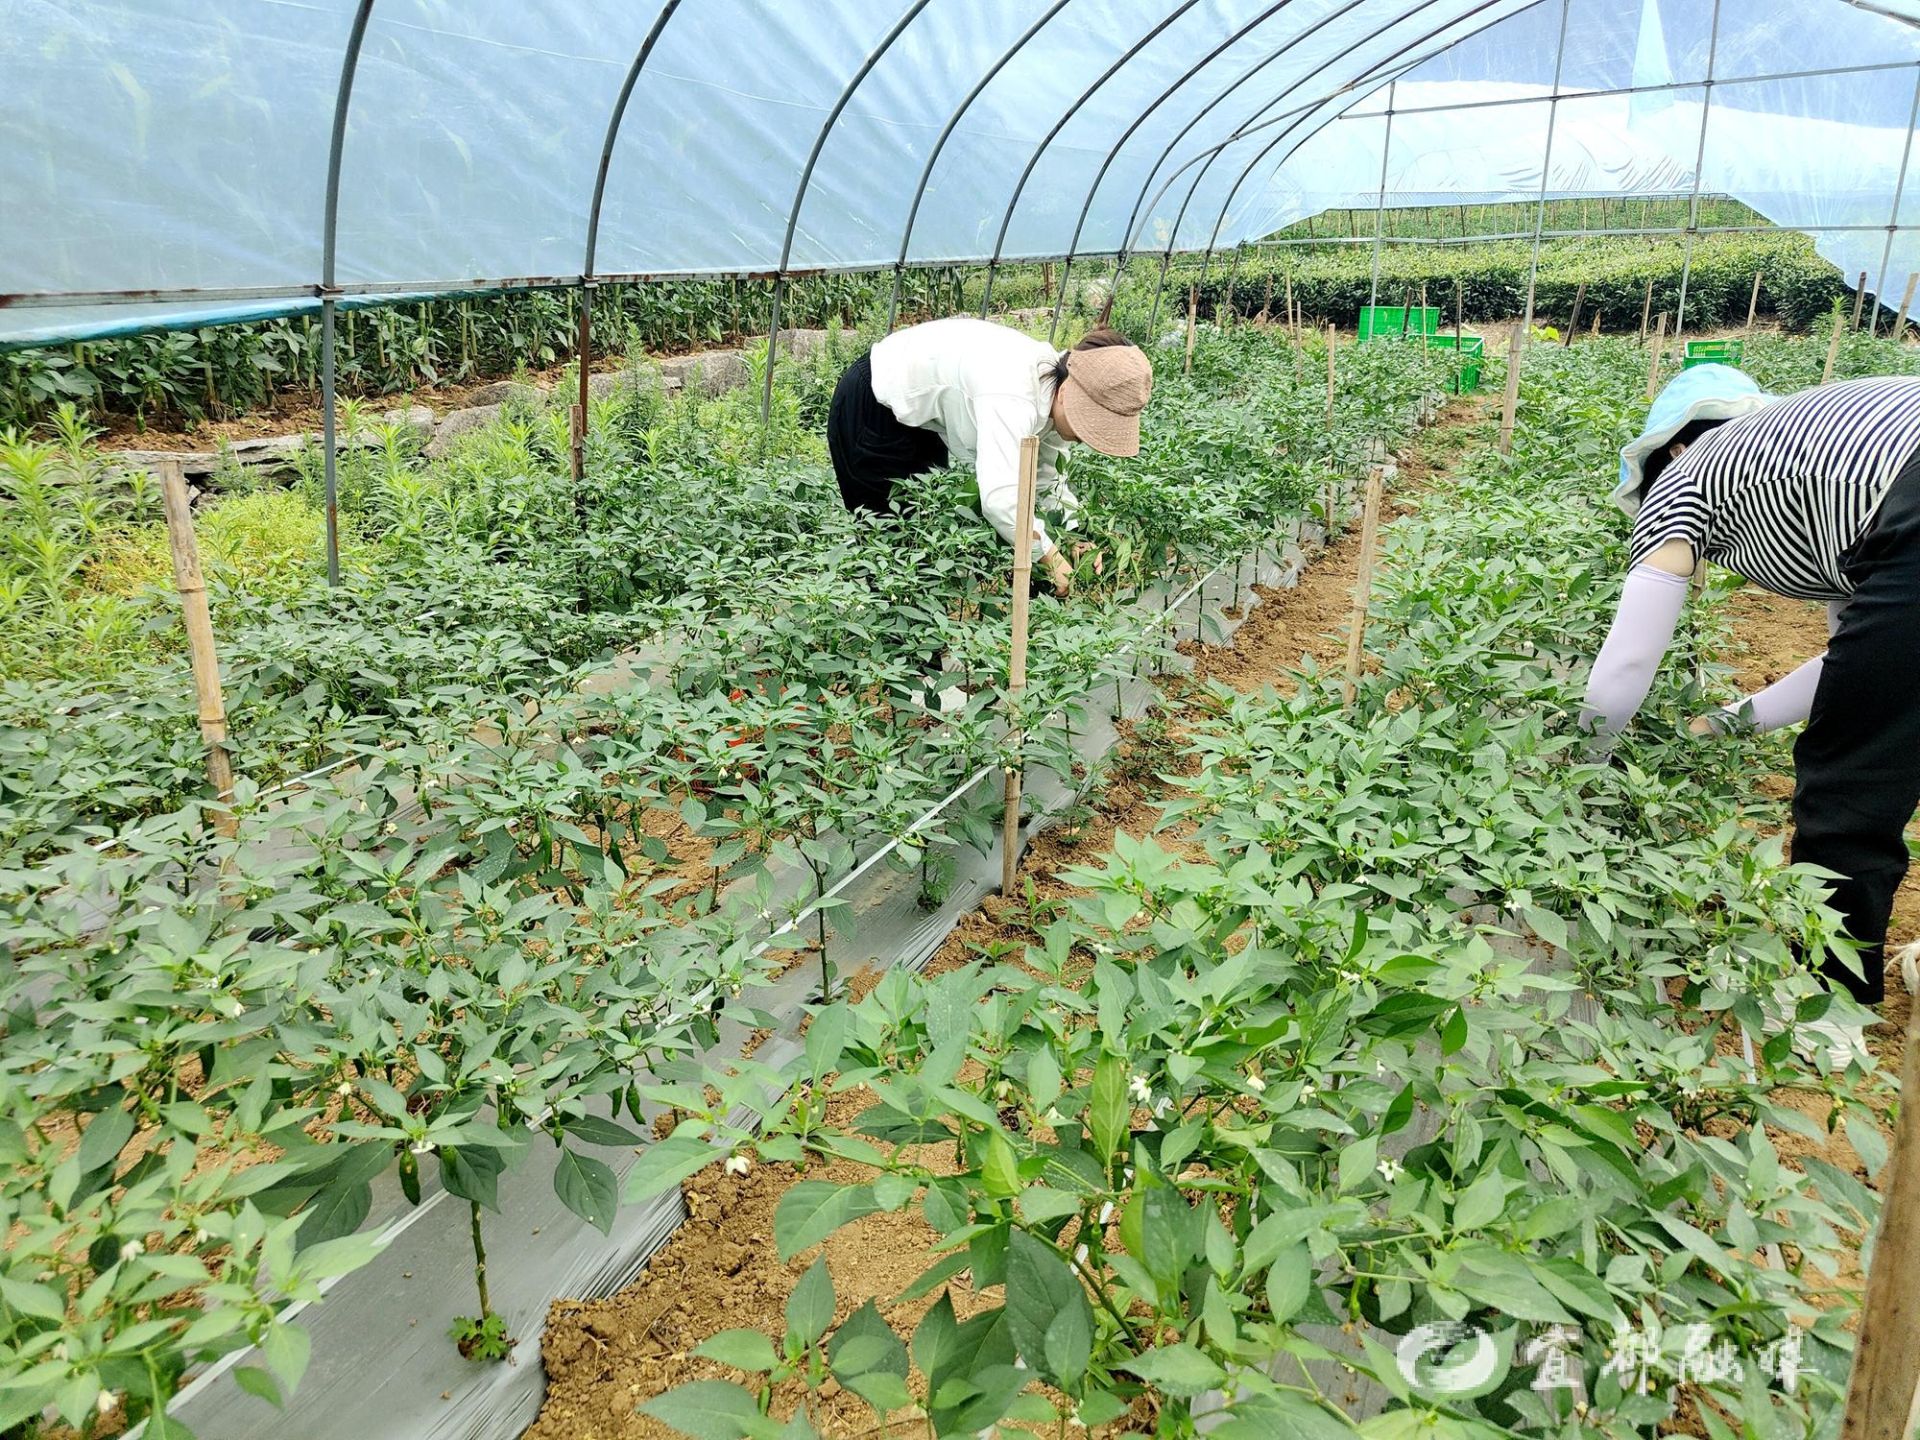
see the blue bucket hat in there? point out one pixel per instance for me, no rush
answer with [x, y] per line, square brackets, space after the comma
[1706, 392]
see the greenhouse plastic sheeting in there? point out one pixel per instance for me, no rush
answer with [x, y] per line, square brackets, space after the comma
[167, 161]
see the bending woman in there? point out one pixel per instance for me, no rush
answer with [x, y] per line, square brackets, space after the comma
[966, 390]
[1817, 497]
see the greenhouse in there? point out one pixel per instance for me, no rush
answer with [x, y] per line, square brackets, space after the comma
[748, 719]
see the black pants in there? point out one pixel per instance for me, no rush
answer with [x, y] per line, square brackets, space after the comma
[870, 448]
[1857, 764]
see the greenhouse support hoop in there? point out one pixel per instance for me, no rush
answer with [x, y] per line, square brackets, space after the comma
[1699, 164]
[1546, 166]
[1893, 218]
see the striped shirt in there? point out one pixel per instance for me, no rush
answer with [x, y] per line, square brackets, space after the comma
[1780, 495]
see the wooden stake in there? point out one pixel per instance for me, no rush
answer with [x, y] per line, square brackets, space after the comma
[1646, 311]
[1293, 315]
[1596, 323]
[1328, 502]
[1886, 1357]
[1193, 302]
[1573, 320]
[1653, 365]
[1017, 656]
[1833, 345]
[1266, 303]
[1362, 588]
[1859, 299]
[1509, 408]
[206, 661]
[1906, 306]
[1753, 302]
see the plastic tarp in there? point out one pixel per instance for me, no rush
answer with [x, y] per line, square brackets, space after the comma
[167, 161]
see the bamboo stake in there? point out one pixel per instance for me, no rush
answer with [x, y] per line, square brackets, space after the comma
[1753, 302]
[1833, 346]
[1362, 588]
[1017, 656]
[1906, 305]
[1646, 311]
[1653, 366]
[1193, 303]
[1293, 315]
[1886, 1357]
[1859, 299]
[1511, 404]
[206, 661]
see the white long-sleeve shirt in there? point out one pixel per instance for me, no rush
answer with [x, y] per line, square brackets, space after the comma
[983, 388]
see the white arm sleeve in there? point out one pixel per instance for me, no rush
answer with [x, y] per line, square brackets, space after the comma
[1643, 626]
[1003, 422]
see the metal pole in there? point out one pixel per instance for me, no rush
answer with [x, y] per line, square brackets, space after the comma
[1233, 272]
[766, 383]
[1699, 161]
[329, 250]
[953, 120]
[1153, 316]
[328, 449]
[1380, 203]
[893, 300]
[1893, 220]
[1006, 219]
[1546, 164]
[1306, 111]
[583, 348]
[1141, 119]
[614, 121]
[907, 17]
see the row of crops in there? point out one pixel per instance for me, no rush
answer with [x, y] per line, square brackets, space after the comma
[598, 740]
[223, 370]
[1435, 1027]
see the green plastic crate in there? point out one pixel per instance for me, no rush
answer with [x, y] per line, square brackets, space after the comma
[1472, 351]
[1393, 320]
[1714, 352]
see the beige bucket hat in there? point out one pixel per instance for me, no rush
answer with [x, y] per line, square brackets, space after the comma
[1104, 392]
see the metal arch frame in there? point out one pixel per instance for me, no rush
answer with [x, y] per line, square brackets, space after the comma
[1699, 161]
[1376, 79]
[1546, 164]
[940, 144]
[1893, 219]
[1380, 204]
[874, 56]
[1086, 206]
[614, 122]
[1173, 144]
[583, 346]
[1013, 203]
[1260, 120]
[329, 250]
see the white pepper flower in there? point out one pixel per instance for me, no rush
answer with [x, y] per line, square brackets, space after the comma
[1256, 1084]
[1138, 1088]
[738, 1165]
[107, 1403]
[425, 1147]
[343, 1089]
[1309, 1090]
[1389, 1169]
[132, 1250]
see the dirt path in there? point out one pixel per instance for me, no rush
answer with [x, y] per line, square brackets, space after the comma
[605, 1357]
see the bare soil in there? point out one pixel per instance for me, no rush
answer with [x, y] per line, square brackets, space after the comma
[604, 1358]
